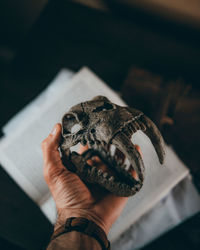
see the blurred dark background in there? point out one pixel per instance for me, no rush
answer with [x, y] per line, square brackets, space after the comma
[115, 39]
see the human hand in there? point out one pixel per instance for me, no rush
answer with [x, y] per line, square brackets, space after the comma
[72, 196]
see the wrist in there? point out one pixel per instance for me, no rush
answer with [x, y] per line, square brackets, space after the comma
[64, 214]
[84, 226]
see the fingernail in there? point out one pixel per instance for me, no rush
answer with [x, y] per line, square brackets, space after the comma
[53, 132]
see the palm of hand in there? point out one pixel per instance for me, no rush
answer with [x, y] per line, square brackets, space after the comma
[70, 192]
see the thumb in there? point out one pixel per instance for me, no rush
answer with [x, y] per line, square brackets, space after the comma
[52, 161]
[50, 145]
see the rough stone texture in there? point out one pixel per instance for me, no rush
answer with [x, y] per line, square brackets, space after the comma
[100, 123]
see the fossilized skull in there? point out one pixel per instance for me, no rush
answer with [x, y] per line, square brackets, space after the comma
[100, 124]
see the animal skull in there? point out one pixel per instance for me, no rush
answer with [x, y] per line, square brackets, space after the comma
[100, 124]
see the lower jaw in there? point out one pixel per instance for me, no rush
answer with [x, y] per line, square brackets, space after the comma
[109, 180]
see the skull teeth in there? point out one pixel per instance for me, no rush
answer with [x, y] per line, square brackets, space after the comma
[112, 150]
[119, 164]
[105, 175]
[108, 181]
[112, 178]
[100, 172]
[94, 170]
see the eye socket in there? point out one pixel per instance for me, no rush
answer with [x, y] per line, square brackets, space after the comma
[106, 106]
[70, 124]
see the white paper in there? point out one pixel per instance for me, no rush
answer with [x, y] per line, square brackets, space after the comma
[52, 91]
[180, 204]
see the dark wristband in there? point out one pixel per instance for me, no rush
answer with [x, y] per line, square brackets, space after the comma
[85, 226]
